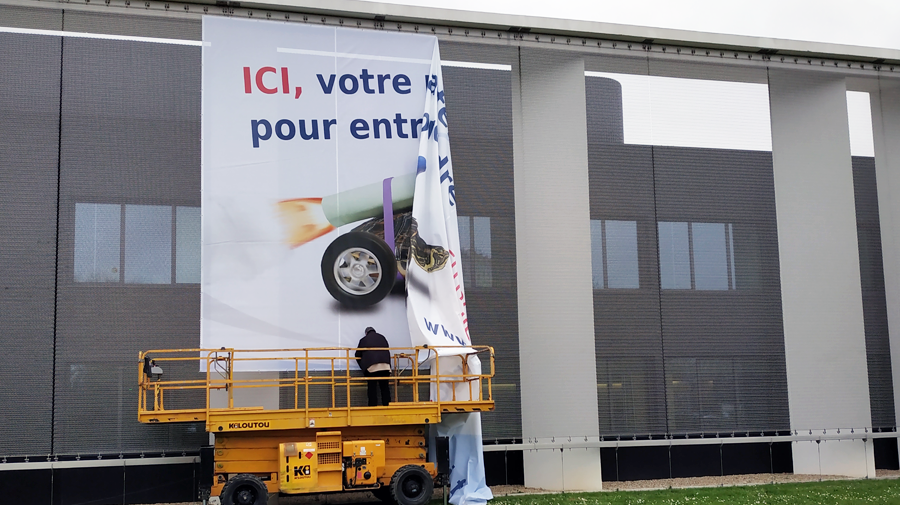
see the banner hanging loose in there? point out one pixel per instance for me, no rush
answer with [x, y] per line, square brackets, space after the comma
[436, 301]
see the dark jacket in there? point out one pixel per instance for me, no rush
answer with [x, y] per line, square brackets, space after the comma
[373, 356]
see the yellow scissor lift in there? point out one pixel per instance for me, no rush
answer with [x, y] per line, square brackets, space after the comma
[322, 437]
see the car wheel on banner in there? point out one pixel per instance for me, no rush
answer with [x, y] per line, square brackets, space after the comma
[358, 269]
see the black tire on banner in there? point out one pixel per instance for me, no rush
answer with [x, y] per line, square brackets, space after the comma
[358, 269]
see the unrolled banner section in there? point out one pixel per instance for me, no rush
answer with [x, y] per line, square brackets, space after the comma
[310, 145]
[436, 301]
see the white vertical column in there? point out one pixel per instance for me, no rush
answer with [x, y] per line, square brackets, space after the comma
[553, 248]
[886, 129]
[824, 335]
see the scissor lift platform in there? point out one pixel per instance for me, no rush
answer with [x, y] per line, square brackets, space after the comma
[430, 381]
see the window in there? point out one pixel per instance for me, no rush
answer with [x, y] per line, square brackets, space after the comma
[631, 395]
[696, 256]
[97, 230]
[140, 237]
[148, 244]
[614, 258]
[701, 394]
[475, 243]
[187, 245]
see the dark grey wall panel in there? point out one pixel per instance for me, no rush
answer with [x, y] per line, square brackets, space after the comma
[479, 109]
[687, 359]
[131, 122]
[725, 347]
[29, 129]
[687, 69]
[138, 26]
[36, 18]
[100, 333]
[130, 135]
[630, 375]
[719, 186]
[871, 270]
[606, 125]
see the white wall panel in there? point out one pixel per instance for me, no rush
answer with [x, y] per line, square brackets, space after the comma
[886, 126]
[556, 319]
[823, 319]
[855, 458]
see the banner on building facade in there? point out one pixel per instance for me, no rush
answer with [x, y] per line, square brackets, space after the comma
[312, 137]
[328, 201]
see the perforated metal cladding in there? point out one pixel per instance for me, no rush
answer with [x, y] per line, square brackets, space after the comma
[138, 26]
[667, 361]
[14, 16]
[29, 108]
[871, 269]
[685, 360]
[130, 135]
[479, 108]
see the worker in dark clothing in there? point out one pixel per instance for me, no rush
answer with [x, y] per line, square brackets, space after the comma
[375, 362]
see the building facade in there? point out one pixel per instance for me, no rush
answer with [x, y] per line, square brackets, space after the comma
[684, 250]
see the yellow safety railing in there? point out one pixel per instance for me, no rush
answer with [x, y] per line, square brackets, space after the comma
[174, 383]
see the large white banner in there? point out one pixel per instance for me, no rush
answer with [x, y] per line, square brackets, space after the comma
[311, 137]
[327, 195]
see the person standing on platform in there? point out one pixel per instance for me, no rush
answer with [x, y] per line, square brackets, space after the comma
[375, 362]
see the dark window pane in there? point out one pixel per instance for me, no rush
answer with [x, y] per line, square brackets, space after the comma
[97, 239]
[187, 245]
[465, 246]
[597, 253]
[481, 237]
[731, 255]
[710, 263]
[621, 254]
[674, 256]
[148, 244]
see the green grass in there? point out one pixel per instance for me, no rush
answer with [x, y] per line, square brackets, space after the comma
[879, 491]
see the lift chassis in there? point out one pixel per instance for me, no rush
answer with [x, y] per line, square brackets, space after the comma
[322, 438]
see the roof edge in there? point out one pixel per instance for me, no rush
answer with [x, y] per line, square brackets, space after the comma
[593, 29]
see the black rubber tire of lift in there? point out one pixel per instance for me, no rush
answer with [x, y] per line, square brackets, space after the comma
[412, 485]
[245, 489]
[383, 494]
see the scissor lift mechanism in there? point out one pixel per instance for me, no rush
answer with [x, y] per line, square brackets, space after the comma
[312, 442]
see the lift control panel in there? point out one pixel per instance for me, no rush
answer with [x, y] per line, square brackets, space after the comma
[366, 461]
